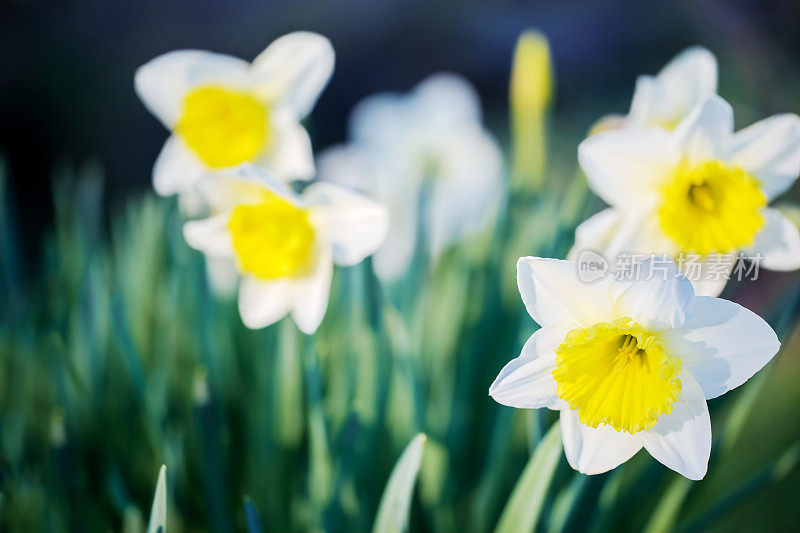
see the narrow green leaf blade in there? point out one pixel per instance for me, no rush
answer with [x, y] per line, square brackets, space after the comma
[523, 508]
[158, 514]
[396, 500]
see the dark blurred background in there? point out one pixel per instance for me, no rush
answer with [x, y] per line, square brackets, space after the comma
[66, 88]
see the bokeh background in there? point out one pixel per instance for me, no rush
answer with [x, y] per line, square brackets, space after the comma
[67, 99]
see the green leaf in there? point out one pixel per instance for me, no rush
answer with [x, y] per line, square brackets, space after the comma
[523, 508]
[158, 514]
[396, 500]
[665, 515]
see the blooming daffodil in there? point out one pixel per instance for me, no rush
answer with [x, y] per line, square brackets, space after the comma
[663, 100]
[427, 156]
[698, 193]
[223, 111]
[630, 363]
[282, 244]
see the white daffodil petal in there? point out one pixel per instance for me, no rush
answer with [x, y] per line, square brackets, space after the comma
[294, 70]
[468, 189]
[688, 79]
[659, 296]
[291, 156]
[553, 293]
[595, 232]
[625, 167]
[347, 166]
[162, 83]
[710, 275]
[778, 244]
[176, 168]
[262, 303]
[447, 100]
[664, 100]
[223, 277]
[595, 450]
[311, 300]
[644, 104]
[394, 256]
[526, 382]
[681, 440]
[723, 345]
[381, 122]
[355, 225]
[247, 184]
[210, 235]
[706, 132]
[770, 150]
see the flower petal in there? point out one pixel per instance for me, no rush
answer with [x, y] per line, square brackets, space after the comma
[222, 275]
[294, 70]
[246, 184]
[770, 150]
[710, 275]
[624, 167]
[311, 300]
[162, 83]
[553, 293]
[393, 258]
[681, 440]
[658, 297]
[262, 303]
[595, 450]
[778, 244]
[682, 84]
[723, 345]
[526, 382]
[354, 224]
[176, 168]
[447, 101]
[210, 235]
[706, 133]
[290, 157]
[469, 188]
[595, 232]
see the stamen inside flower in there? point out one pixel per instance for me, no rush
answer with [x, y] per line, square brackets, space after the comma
[224, 127]
[616, 373]
[272, 239]
[711, 208]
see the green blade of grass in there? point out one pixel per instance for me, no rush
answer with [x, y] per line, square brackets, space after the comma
[395, 503]
[523, 508]
[158, 513]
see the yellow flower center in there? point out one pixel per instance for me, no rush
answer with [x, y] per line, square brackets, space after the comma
[224, 127]
[272, 239]
[616, 373]
[711, 208]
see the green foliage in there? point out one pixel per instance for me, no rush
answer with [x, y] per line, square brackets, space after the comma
[116, 358]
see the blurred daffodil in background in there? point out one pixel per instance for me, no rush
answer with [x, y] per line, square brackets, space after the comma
[630, 363]
[698, 192]
[427, 156]
[284, 245]
[223, 111]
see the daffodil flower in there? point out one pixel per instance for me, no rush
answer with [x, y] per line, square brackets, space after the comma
[428, 158]
[630, 363]
[700, 191]
[663, 100]
[284, 245]
[224, 112]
